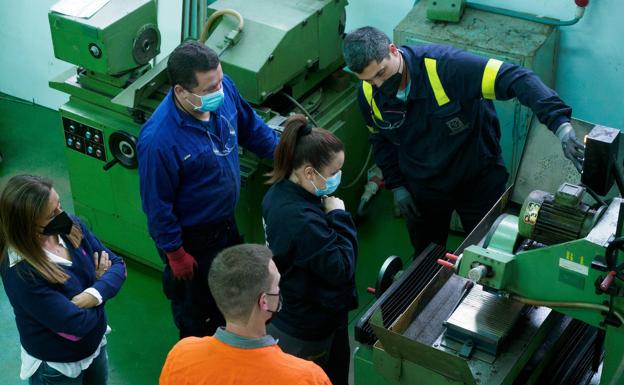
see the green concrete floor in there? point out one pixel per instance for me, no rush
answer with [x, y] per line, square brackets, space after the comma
[31, 142]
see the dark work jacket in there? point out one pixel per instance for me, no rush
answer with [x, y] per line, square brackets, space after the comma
[440, 146]
[315, 253]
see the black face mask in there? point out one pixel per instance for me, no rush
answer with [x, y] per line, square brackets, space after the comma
[60, 224]
[277, 309]
[391, 86]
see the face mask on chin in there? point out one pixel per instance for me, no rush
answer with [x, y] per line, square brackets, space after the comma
[390, 86]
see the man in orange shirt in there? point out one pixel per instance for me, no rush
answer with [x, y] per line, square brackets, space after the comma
[245, 284]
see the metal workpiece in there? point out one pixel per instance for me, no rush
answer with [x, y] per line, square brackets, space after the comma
[602, 148]
[483, 320]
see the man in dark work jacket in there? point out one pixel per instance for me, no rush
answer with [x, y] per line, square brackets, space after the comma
[434, 129]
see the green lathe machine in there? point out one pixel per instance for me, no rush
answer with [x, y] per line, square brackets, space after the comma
[282, 62]
[535, 293]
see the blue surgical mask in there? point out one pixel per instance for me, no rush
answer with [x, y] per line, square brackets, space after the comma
[209, 102]
[402, 95]
[331, 184]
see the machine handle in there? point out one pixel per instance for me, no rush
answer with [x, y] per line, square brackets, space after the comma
[371, 290]
[446, 264]
[606, 283]
[110, 164]
[451, 257]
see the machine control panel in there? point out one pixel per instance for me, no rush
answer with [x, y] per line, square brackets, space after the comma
[85, 139]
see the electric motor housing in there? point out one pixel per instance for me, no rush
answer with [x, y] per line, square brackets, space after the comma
[553, 219]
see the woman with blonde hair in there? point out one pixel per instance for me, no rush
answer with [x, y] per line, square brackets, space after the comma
[57, 276]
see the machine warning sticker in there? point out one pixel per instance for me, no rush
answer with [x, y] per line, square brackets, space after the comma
[530, 215]
[573, 266]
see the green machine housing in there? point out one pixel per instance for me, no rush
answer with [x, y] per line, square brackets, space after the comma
[295, 47]
[116, 39]
[278, 57]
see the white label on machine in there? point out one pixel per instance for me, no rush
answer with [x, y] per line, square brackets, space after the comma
[576, 267]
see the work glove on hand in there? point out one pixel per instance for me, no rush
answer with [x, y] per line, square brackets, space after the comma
[182, 263]
[572, 148]
[404, 200]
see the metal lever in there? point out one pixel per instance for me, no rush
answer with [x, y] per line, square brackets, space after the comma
[446, 264]
[606, 283]
[110, 164]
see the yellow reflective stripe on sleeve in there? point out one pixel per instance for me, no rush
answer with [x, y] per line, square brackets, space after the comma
[434, 80]
[368, 94]
[489, 78]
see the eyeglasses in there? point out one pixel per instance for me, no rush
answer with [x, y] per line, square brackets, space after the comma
[391, 120]
[279, 303]
[229, 143]
[394, 119]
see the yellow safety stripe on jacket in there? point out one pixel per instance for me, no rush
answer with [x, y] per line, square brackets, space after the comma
[489, 78]
[434, 80]
[368, 94]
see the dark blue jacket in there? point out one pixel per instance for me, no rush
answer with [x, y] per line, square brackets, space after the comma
[441, 146]
[44, 311]
[315, 253]
[183, 182]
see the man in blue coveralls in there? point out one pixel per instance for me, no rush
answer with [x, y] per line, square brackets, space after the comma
[190, 178]
[434, 129]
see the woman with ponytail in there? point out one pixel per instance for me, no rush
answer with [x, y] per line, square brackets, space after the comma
[314, 243]
[57, 276]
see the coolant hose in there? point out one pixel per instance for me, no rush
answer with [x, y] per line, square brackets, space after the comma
[574, 305]
[215, 16]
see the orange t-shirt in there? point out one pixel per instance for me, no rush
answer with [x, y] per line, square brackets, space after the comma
[203, 361]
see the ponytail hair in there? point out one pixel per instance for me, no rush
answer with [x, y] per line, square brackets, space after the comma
[299, 144]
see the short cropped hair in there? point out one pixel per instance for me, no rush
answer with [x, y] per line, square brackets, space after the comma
[363, 45]
[237, 278]
[187, 59]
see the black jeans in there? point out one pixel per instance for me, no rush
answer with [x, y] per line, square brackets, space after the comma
[472, 200]
[194, 310]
